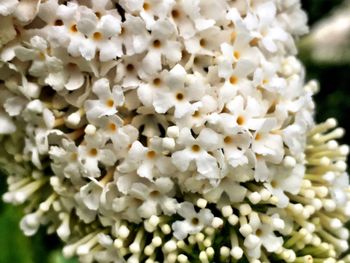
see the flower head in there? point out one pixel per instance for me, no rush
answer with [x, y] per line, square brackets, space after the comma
[169, 131]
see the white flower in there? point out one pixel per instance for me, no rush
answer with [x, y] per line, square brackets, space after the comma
[194, 222]
[107, 102]
[264, 27]
[127, 207]
[196, 149]
[156, 197]
[93, 153]
[102, 35]
[197, 120]
[90, 194]
[123, 138]
[247, 113]
[292, 137]
[65, 159]
[161, 44]
[180, 18]
[129, 72]
[206, 42]
[193, 9]
[268, 144]
[240, 49]
[135, 35]
[150, 10]
[266, 77]
[71, 74]
[42, 63]
[264, 236]
[180, 93]
[149, 162]
[112, 127]
[235, 79]
[147, 90]
[85, 214]
[234, 145]
[61, 28]
[13, 105]
[285, 180]
[229, 186]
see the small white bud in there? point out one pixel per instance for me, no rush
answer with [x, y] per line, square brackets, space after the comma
[265, 194]
[236, 253]
[335, 223]
[210, 252]
[182, 258]
[166, 229]
[227, 211]
[157, 241]
[217, 222]
[148, 250]
[118, 243]
[170, 246]
[245, 209]
[90, 129]
[233, 219]
[278, 223]
[123, 232]
[73, 119]
[135, 247]
[224, 251]
[203, 257]
[202, 203]
[207, 242]
[251, 241]
[289, 161]
[329, 205]
[154, 220]
[245, 230]
[254, 198]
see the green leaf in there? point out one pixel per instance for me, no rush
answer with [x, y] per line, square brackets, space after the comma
[57, 257]
[15, 247]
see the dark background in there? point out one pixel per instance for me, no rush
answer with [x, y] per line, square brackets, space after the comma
[332, 101]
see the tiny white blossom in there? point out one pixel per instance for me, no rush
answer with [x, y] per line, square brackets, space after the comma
[179, 93]
[197, 150]
[194, 222]
[107, 102]
[156, 197]
[94, 152]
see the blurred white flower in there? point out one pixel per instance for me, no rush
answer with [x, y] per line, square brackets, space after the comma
[335, 50]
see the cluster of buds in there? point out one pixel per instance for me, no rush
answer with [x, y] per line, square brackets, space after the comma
[169, 131]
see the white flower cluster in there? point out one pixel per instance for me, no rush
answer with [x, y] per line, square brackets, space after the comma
[138, 130]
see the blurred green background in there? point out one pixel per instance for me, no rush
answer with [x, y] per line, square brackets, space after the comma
[332, 101]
